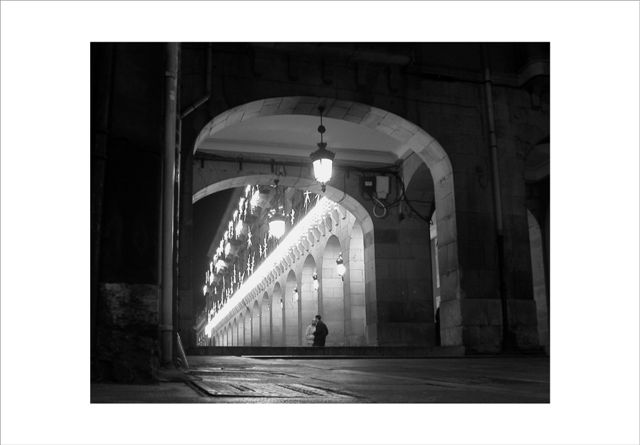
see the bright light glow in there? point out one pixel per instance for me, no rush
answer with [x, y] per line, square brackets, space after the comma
[204, 290]
[255, 198]
[341, 268]
[247, 189]
[295, 295]
[316, 283]
[239, 227]
[276, 227]
[322, 169]
[221, 264]
[293, 237]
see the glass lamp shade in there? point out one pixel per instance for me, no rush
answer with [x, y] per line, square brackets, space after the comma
[322, 169]
[276, 226]
[322, 163]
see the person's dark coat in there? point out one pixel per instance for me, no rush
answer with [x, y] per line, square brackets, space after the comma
[320, 334]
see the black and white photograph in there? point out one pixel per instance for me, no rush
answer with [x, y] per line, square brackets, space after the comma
[338, 222]
[320, 222]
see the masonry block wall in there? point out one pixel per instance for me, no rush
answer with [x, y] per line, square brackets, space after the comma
[126, 130]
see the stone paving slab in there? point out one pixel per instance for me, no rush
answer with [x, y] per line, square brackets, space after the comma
[346, 380]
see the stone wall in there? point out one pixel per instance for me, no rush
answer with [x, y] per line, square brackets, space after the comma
[127, 124]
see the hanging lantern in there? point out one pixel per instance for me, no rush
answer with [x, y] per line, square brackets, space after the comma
[296, 297]
[276, 226]
[277, 220]
[340, 266]
[322, 158]
[316, 283]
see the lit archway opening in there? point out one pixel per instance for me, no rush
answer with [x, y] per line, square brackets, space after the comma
[265, 321]
[309, 294]
[234, 333]
[291, 303]
[255, 324]
[240, 330]
[277, 318]
[246, 339]
[332, 294]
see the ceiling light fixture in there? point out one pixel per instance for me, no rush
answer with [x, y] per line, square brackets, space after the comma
[322, 158]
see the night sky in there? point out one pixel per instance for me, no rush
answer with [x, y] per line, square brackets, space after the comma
[207, 214]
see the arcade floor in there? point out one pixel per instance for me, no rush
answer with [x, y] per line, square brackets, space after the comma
[237, 379]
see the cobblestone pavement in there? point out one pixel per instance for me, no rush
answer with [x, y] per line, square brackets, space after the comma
[216, 379]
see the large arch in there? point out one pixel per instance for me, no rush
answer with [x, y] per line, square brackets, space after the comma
[411, 138]
[416, 148]
[332, 294]
[291, 304]
[277, 316]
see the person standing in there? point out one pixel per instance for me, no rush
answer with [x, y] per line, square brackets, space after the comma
[309, 337]
[320, 333]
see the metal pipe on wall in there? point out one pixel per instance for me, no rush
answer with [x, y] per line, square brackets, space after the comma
[168, 179]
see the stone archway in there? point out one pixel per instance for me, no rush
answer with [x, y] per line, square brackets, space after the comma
[291, 303]
[255, 324]
[265, 321]
[416, 147]
[309, 293]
